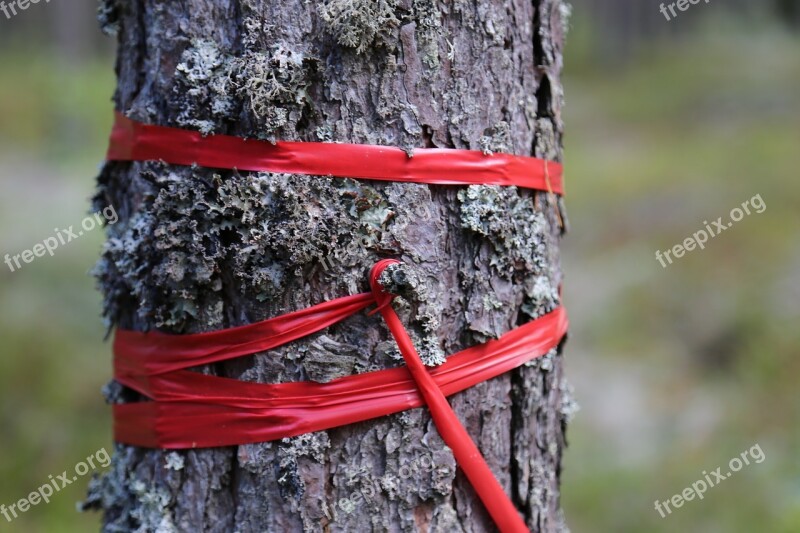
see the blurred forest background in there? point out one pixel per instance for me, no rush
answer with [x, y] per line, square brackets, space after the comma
[677, 370]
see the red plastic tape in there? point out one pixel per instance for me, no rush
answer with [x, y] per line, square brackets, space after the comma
[191, 410]
[134, 141]
[467, 455]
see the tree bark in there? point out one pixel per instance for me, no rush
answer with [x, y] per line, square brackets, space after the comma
[199, 249]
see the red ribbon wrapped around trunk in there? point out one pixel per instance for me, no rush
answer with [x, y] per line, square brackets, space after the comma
[189, 410]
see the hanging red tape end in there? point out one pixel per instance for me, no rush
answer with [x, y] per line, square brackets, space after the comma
[467, 455]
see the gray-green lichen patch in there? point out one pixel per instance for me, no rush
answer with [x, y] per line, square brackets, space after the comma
[166, 257]
[569, 404]
[429, 348]
[418, 309]
[545, 362]
[290, 453]
[565, 12]
[512, 239]
[313, 445]
[108, 17]
[273, 84]
[541, 297]
[152, 511]
[108, 489]
[174, 461]
[203, 87]
[496, 139]
[510, 223]
[403, 281]
[137, 499]
[428, 31]
[198, 232]
[491, 303]
[253, 28]
[361, 24]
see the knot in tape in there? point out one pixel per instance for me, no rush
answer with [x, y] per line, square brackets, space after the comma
[382, 297]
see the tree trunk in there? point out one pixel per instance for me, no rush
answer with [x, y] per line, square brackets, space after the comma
[199, 249]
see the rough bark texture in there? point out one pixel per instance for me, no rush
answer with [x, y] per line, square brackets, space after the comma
[198, 249]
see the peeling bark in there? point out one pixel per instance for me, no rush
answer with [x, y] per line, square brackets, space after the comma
[198, 249]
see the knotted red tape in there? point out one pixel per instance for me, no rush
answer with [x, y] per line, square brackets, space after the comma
[190, 410]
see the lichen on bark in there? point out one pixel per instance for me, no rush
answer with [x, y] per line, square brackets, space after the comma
[360, 24]
[201, 249]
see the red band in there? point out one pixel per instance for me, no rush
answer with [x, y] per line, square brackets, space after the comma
[191, 410]
[134, 141]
